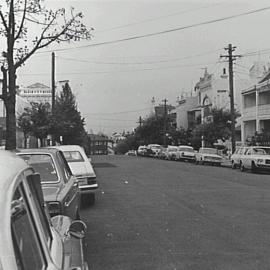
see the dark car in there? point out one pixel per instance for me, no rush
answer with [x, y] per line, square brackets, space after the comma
[60, 187]
[30, 238]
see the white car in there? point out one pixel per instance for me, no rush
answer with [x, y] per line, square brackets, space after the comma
[30, 239]
[82, 168]
[236, 157]
[142, 149]
[255, 158]
[185, 153]
[208, 155]
[170, 153]
[156, 148]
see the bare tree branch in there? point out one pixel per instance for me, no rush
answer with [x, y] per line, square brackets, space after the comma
[22, 21]
[4, 21]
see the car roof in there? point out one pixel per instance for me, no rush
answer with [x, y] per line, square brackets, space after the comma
[38, 150]
[68, 147]
[186, 146]
[10, 165]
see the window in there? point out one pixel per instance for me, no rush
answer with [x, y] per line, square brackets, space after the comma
[64, 165]
[73, 156]
[43, 164]
[25, 240]
[35, 189]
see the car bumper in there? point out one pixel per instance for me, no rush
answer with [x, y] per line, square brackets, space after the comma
[87, 185]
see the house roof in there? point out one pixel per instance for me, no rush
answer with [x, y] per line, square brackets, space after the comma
[38, 85]
[266, 77]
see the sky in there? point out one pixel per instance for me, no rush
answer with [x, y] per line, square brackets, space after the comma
[114, 83]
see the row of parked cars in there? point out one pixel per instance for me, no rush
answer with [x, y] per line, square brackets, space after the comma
[182, 153]
[41, 194]
[247, 157]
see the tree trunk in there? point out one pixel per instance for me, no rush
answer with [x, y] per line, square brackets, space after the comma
[10, 104]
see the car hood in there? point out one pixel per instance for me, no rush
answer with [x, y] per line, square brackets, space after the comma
[50, 193]
[82, 169]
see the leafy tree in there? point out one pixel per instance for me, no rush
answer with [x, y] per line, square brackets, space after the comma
[218, 129]
[35, 121]
[17, 17]
[66, 120]
[25, 123]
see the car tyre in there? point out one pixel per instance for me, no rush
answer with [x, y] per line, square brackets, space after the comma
[242, 167]
[233, 165]
[253, 167]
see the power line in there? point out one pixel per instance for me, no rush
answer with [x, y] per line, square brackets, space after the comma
[137, 63]
[163, 32]
[139, 110]
[157, 18]
[117, 71]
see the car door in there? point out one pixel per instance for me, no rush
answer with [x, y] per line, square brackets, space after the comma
[246, 160]
[70, 194]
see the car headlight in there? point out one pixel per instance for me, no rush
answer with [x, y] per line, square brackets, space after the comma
[54, 208]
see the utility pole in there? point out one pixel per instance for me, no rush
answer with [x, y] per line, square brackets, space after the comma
[165, 122]
[140, 121]
[53, 82]
[53, 90]
[231, 58]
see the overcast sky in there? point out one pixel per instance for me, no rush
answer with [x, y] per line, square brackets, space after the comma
[114, 83]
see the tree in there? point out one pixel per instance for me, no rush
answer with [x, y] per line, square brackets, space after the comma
[66, 120]
[16, 16]
[218, 129]
[25, 123]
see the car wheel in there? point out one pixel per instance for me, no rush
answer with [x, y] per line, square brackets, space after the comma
[202, 162]
[196, 162]
[242, 167]
[233, 165]
[253, 167]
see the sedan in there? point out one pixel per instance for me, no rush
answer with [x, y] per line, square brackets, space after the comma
[30, 238]
[82, 168]
[59, 185]
[208, 155]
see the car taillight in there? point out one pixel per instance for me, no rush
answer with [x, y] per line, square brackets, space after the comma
[54, 208]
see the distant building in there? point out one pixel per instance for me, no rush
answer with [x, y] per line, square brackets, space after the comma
[37, 92]
[97, 144]
[184, 109]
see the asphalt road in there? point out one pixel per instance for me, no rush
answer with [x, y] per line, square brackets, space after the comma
[155, 214]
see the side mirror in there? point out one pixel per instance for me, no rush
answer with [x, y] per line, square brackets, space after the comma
[77, 229]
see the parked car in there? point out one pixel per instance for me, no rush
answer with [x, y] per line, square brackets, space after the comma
[185, 153]
[131, 153]
[208, 155]
[142, 150]
[82, 168]
[170, 153]
[156, 148]
[255, 158]
[59, 185]
[30, 239]
[162, 153]
[236, 157]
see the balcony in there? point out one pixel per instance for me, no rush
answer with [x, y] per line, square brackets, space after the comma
[249, 113]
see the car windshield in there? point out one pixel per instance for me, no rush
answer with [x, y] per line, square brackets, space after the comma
[43, 164]
[186, 149]
[261, 151]
[172, 149]
[73, 156]
[208, 151]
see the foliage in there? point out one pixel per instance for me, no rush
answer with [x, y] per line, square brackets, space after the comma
[218, 129]
[66, 120]
[18, 18]
[35, 121]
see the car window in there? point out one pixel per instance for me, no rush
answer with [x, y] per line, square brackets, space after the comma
[249, 152]
[73, 156]
[64, 165]
[186, 149]
[40, 210]
[44, 165]
[25, 240]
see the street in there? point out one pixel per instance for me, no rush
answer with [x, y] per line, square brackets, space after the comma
[156, 214]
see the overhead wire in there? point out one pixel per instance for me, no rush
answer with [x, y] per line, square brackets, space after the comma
[162, 32]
